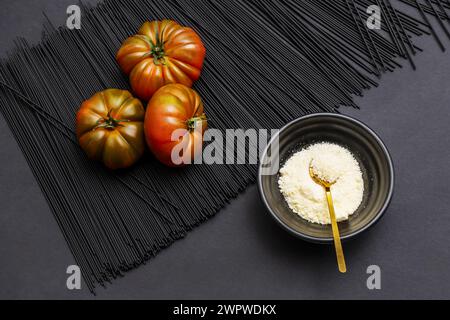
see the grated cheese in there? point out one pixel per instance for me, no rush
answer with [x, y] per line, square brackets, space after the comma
[332, 163]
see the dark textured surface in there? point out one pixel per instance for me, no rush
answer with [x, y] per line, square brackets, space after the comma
[242, 253]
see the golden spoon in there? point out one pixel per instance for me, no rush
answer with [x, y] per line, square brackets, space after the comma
[334, 226]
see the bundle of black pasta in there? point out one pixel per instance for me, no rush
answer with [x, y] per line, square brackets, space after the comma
[267, 63]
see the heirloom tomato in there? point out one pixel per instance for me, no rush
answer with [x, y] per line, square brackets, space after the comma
[110, 128]
[174, 124]
[162, 52]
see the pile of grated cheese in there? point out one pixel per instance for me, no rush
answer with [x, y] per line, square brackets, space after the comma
[332, 163]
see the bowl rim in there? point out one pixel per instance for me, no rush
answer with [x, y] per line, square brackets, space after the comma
[349, 236]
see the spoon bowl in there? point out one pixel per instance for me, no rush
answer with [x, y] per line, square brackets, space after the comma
[324, 183]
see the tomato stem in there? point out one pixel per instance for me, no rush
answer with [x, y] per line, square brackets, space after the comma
[192, 122]
[109, 122]
[157, 50]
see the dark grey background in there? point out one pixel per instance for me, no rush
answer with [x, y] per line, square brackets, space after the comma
[241, 253]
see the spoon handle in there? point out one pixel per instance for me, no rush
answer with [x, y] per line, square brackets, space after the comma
[337, 238]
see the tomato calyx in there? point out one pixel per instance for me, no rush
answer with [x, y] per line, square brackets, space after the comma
[156, 49]
[109, 122]
[192, 122]
[158, 54]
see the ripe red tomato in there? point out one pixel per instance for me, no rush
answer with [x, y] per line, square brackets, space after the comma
[110, 128]
[162, 52]
[174, 124]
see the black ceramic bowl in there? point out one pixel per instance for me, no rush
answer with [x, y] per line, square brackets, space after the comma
[368, 149]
